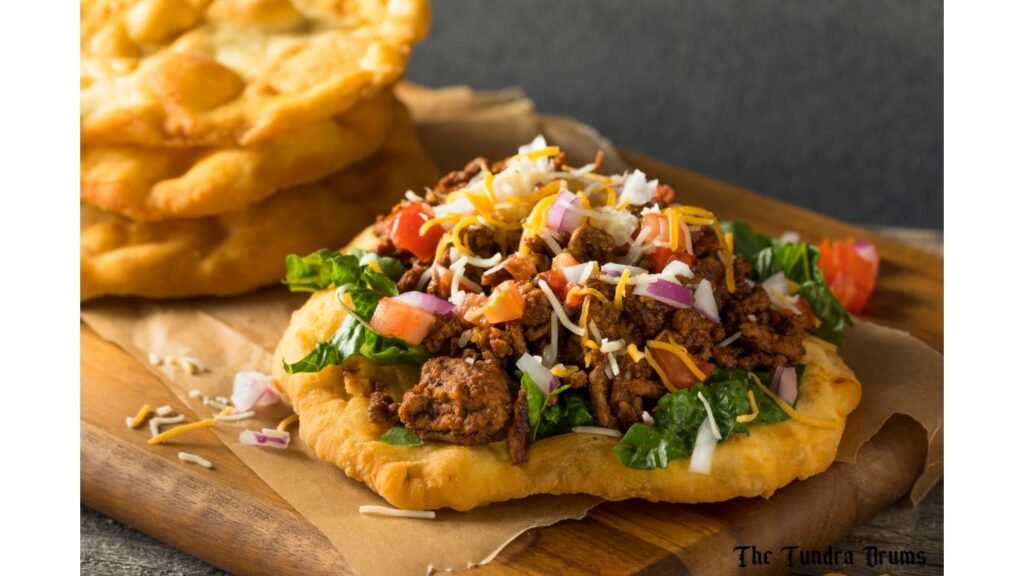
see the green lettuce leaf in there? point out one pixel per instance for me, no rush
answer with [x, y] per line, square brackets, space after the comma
[546, 419]
[679, 415]
[401, 436]
[365, 286]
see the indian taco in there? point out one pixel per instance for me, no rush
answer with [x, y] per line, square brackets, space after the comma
[529, 327]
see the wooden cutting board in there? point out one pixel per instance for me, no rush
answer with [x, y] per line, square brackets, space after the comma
[231, 519]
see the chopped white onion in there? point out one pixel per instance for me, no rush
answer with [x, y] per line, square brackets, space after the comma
[251, 389]
[707, 408]
[597, 431]
[676, 268]
[778, 292]
[538, 143]
[637, 189]
[541, 376]
[704, 301]
[616, 270]
[703, 448]
[646, 417]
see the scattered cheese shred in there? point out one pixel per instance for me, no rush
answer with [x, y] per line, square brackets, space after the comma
[439, 220]
[284, 424]
[543, 153]
[583, 322]
[164, 410]
[679, 352]
[395, 512]
[561, 371]
[576, 290]
[620, 288]
[186, 457]
[140, 416]
[375, 267]
[235, 417]
[634, 353]
[456, 233]
[557, 307]
[790, 411]
[597, 431]
[753, 410]
[179, 430]
[711, 417]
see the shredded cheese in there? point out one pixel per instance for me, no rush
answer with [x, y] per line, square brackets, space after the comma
[375, 267]
[583, 322]
[620, 288]
[543, 153]
[395, 512]
[456, 233]
[140, 416]
[577, 291]
[634, 353]
[179, 430]
[164, 410]
[557, 306]
[743, 419]
[790, 411]
[660, 371]
[235, 417]
[283, 425]
[155, 423]
[561, 371]
[451, 218]
[681, 353]
[186, 457]
[597, 431]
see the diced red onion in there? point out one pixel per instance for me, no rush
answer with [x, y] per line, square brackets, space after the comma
[427, 302]
[704, 301]
[613, 269]
[268, 437]
[251, 389]
[866, 250]
[540, 375]
[784, 383]
[560, 217]
[574, 274]
[667, 292]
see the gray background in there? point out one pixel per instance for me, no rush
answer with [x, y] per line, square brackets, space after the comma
[835, 105]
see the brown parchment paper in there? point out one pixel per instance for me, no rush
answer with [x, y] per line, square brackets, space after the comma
[900, 374]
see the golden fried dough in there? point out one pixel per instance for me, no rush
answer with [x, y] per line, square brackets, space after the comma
[230, 72]
[164, 183]
[243, 250]
[333, 422]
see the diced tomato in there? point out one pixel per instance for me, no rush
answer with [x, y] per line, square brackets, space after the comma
[556, 280]
[505, 303]
[662, 256]
[660, 231]
[850, 273]
[472, 309]
[679, 375]
[658, 226]
[563, 260]
[665, 194]
[400, 320]
[403, 227]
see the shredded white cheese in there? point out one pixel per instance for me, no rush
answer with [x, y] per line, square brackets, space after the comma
[395, 512]
[559, 311]
[728, 340]
[548, 239]
[454, 254]
[186, 457]
[597, 431]
[412, 196]
[613, 346]
[550, 352]
[458, 270]
[155, 359]
[155, 423]
[164, 410]
[464, 337]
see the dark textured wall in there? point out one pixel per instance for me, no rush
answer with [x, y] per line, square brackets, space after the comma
[835, 105]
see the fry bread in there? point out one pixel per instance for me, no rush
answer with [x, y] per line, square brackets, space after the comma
[230, 72]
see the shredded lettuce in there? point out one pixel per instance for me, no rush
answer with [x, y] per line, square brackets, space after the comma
[353, 274]
[679, 415]
[798, 261]
[547, 418]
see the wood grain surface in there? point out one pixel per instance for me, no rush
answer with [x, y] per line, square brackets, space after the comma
[231, 519]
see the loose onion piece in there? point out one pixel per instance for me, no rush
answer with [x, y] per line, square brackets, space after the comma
[395, 512]
[540, 375]
[784, 383]
[703, 448]
[667, 292]
[676, 268]
[707, 408]
[704, 301]
[616, 270]
[597, 431]
[269, 437]
[427, 302]
[252, 389]
[561, 218]
[778, 292]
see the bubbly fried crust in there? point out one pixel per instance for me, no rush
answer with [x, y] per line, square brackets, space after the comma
[228, 72]
[151, 184]
[332, 409]
[237, 252]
